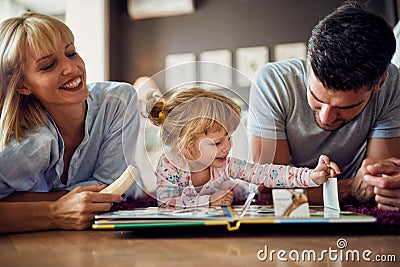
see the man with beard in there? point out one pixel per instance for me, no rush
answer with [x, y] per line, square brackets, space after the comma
[343, 101]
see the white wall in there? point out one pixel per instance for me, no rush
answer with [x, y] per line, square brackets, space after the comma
[89, 21]
[9, 9]
[396, 56]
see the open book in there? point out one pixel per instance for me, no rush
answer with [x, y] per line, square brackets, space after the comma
[290, 206]
[230, 216]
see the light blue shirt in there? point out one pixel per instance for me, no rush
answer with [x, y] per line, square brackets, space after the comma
[279, 110]
[36, 163]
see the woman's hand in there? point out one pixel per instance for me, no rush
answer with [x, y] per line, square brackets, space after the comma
[76, 209]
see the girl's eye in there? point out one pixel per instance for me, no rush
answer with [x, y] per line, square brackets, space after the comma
[215, 143]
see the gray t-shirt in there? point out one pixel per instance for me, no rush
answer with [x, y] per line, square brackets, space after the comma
[279, 110]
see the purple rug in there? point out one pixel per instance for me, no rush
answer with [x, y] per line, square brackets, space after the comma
[385, 218]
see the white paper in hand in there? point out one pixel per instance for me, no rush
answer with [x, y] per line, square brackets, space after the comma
[330, 193]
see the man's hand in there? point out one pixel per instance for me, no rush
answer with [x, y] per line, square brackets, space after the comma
[384, 177]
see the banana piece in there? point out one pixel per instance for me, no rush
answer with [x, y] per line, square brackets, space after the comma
[122, 184]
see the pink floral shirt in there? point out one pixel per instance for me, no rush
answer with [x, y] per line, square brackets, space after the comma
[175, 188]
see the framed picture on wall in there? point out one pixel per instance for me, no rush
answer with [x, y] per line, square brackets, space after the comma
[248, 61]
[216, 67]
[290, 50]
[180, 69]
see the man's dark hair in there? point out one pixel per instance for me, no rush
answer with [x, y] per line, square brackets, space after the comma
[351, 48]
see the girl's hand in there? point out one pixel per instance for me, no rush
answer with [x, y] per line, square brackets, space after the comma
[221, 198]
[324, 170]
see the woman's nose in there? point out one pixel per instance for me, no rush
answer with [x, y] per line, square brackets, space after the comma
[68, 66]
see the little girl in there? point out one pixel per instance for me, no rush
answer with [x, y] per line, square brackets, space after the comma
[195, 169]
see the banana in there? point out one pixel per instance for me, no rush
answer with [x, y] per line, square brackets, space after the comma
[123, 183]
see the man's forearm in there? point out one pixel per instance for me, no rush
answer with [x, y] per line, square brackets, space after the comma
[346, 191]
[314, 195]
[352, 190]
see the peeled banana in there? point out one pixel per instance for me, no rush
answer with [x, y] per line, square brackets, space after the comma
[122, 184]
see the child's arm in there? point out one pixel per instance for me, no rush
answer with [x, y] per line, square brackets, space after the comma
[271, 175]
[240, 188]
[171, 195]
[173, 189]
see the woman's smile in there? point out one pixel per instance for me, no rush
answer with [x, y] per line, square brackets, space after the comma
[73, 84]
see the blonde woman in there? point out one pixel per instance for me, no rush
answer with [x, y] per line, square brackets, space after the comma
[57, 133]
[196, 169]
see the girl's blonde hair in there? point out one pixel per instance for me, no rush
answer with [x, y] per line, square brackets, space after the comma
[189, 113]
[31, 33]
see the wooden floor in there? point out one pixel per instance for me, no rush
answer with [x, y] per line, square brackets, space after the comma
[116, 248]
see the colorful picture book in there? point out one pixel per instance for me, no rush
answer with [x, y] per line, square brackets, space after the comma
[230, 216]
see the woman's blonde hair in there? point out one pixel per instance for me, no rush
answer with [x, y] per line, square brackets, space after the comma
[31, 33]
[191, 112]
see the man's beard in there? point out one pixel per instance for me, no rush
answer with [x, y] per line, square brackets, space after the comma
[337, 123]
